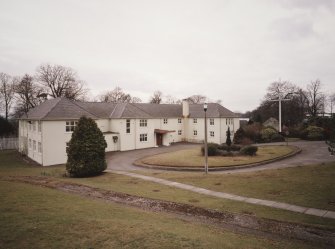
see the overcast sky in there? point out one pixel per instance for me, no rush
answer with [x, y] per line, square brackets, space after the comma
[228, 50]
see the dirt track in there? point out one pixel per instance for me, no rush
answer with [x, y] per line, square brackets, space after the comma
[237, 222]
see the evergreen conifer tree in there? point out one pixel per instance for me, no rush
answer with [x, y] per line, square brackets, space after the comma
[228, 140]
[86, 151]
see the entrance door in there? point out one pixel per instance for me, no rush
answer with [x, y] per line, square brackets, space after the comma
[159, 139]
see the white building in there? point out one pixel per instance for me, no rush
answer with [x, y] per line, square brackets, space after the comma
[46, 129]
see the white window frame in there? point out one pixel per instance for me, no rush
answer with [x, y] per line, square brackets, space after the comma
[195, 133]
[70, 125]
[144, 137]
[143, 122]
[211, 121]
[179, 132]
[195, 121]
[165, 121]
[212, 134]
[128, 125]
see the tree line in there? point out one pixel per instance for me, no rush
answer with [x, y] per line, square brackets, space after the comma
[298, 103]
[18, 94]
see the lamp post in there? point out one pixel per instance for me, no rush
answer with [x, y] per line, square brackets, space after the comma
[206, 149]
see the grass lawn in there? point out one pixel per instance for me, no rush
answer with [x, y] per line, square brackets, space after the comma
[12, 164]
[36, 217]
[193, 157]
[309, 186]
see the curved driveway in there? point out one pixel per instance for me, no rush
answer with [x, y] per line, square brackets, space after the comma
[312, 153]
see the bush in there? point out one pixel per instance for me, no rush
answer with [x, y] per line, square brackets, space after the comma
[239, 135]
[86, 151]
[246, 141]
[212, 149]
[267, 133]
[313, 133]
[277, 138]
[249, 150]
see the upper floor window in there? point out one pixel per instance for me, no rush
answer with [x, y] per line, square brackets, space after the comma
[128, 126]
[179, 132]
[143, 122]
[70, 126]
[195, 132]
[39, 126]
[143, 137]
[211, 133]
[195, 121]
[229, 121]
[165, 121]
[179, 120]
[211, 121]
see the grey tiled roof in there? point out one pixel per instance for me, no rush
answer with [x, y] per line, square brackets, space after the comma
[62, 108]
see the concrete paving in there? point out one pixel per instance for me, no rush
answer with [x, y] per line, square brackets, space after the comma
[273, 204]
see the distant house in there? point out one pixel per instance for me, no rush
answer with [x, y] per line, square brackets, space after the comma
[46, 129]
[273, 123]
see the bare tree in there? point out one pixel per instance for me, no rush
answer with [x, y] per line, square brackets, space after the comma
[279, 89]
[331, 102]
[28, 95]
[118, 96]
[197, 99]
[169, 99]
[315, 98]
[6, 92]
[156, 97]
[60, 81]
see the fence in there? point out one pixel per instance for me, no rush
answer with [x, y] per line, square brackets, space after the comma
[9, 143]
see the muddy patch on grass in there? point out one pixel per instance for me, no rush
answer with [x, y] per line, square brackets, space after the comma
[246, 223]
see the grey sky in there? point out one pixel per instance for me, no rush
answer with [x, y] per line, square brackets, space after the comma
[228, 50]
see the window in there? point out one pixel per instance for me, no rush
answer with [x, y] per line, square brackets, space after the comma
[195, 121]
[70, 125]
[39, 147]
[143, 137]
[211, 133]
[211, 121]
[39, 126]
[229, 121]
[165, 121]
[195, 132]
[29, 143]
[128, 126]
[179, 120]
[179, 132]
[143, 122]
[34, 145]
[29, 125]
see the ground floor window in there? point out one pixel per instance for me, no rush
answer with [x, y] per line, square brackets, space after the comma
[34, 145]
[211, 133]
[179, 132]
[143, 137]
[39, 147]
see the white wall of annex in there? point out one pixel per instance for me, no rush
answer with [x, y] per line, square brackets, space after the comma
[54, 141]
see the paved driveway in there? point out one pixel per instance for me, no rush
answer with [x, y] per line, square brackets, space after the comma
[312, 152]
